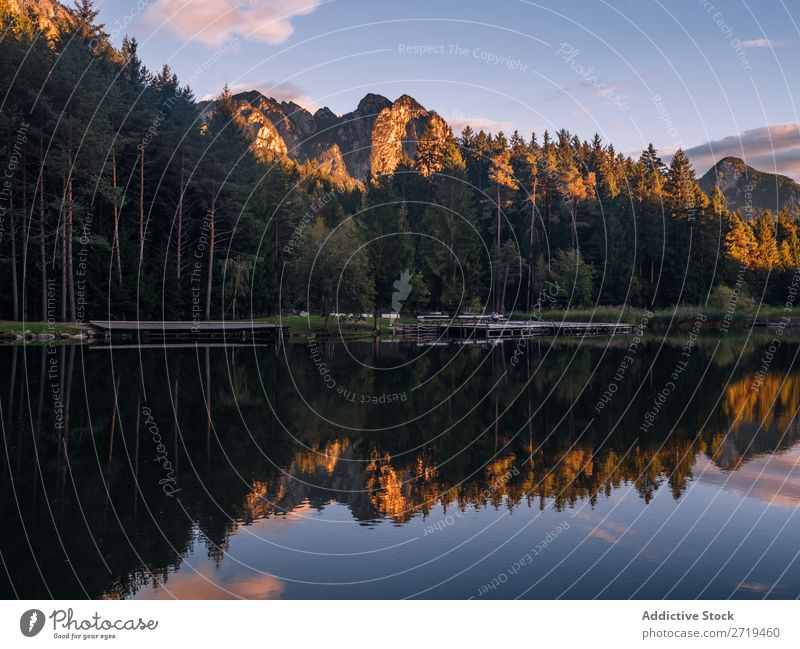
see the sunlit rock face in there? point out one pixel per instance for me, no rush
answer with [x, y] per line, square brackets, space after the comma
[266, 139]
[373, 138]
[47, 13]
[397, 131]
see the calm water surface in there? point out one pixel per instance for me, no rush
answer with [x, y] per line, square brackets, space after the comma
[390, 470]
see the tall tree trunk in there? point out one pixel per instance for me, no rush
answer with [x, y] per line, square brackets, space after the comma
[42, 246]
[116, 215]
[530, 246]
[180, 220]
[498, 218]
[574, 226]
[62, 234]
[68, 234]
[498, 242]
[505, 284]
[141, 207]
[211, 242]
[14, 279]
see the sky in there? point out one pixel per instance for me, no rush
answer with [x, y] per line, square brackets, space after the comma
[715, 78]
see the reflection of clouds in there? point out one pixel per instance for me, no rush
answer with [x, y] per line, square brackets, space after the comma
[755, 586]
[772, 479]
[604, 535]
[203, 583]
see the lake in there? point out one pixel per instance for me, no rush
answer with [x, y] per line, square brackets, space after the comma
[578, 468]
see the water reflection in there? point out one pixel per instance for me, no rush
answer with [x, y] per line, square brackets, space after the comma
[178, 473]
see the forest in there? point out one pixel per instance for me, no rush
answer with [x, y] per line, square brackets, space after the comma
[122, 199]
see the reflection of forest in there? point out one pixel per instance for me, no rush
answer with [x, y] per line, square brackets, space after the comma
[509, 435]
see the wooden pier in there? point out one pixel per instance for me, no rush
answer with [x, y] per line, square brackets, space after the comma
[791, 322]
[186, 332]
[427, 330]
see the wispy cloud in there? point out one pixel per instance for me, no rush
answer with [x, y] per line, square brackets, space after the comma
[761, 42]
[773, 148]
[458, 121]
[215, 21]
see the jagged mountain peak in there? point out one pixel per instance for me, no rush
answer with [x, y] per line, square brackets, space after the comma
[371, 139]
[325, 114]
[372, 104]
[409, 102]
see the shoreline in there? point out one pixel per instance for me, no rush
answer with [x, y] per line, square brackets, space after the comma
[677, 320]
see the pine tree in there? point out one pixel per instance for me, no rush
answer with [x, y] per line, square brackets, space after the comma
[741, 244]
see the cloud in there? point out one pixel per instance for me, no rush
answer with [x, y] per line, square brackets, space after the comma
[459, 120]
[215, 21]
[773, 148]
[760, 42]
[280, 90]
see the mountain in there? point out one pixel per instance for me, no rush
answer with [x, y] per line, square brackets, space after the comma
[749, 190]
[45, 13]
[373, 138]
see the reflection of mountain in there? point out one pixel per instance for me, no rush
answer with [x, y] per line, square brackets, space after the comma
[235, 463]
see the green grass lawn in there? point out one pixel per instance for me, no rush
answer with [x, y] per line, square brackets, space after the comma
[41, 327]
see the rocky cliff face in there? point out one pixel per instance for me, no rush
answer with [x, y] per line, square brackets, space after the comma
[749, 190]
[372, 138]
[47, 13]
[397, 130]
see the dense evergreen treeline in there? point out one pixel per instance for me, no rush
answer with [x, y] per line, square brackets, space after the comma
[119, 199]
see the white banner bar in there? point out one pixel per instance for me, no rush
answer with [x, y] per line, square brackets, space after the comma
[399, 624]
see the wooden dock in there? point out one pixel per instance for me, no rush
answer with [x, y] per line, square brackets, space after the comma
[791, 322]
[427, 331]
[181, 331]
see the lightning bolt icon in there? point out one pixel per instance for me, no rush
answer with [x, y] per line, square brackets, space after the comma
[32, 621]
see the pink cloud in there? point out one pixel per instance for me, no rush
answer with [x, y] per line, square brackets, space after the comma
[760, 42]
[458, 121]
[215, 21]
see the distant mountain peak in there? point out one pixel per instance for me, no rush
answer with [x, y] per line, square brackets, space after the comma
[747, 189]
